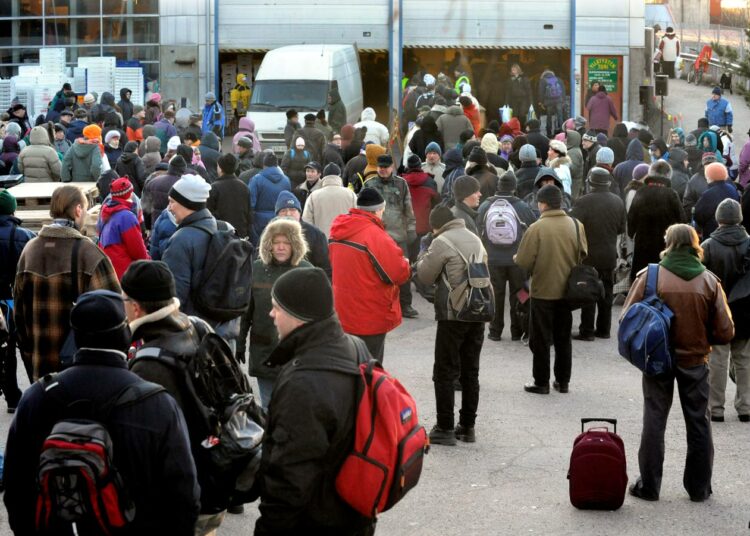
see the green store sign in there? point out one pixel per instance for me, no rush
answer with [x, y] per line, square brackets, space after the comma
[604, 71]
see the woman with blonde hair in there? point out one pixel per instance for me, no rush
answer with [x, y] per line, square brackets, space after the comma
[702, 318]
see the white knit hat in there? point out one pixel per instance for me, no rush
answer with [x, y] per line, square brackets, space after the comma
[111, 134]
[191, 191]
[173, 143]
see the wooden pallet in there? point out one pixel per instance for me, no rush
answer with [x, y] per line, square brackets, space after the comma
[39, 194]
[34, 219]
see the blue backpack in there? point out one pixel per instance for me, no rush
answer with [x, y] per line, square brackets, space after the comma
[553, 89]
[643, 335]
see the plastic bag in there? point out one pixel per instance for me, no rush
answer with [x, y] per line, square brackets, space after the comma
[531, 113]
[505, 113]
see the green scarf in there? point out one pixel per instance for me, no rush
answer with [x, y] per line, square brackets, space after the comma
[683, 262]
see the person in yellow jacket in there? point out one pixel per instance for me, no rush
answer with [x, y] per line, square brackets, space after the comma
[240, 95]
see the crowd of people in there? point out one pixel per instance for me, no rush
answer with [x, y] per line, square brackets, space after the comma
[342, 234]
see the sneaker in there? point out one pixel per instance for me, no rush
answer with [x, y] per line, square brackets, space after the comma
[409, 312]
[466, 434]
[440, 436]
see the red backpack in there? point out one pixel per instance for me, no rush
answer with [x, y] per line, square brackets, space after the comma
[389, 444]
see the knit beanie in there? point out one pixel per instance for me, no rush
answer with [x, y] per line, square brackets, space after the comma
[599, 177]
[191, 191]
[550, 195]
[177, 166]
[130, 147]
[245, 142]
[478, 156]
[707, 158]
[729, 212]
[464, 186]
[89, 99]
[507, 183]
[716, 90]
[369, 199]
[270, 160]
[645, 137]
[155, 97]
[8, 203]
[149, 281]
[506, 137]
[605, 155]
[715, 172]
[173, 142]
[98, 320]
[579, 122]
[92, 132]
[527, 153]
[640, 171]
[590, 136]
[433, 147]
[121, 187]
[413, 162]
[111, 134]
[690, 141]
[439, 216]
[304, 293]
[287, 199]
[660, 171]
[601, 139]
[332, 169]
[559, 147]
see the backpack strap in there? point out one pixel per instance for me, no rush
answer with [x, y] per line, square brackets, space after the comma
[384, 277]
[363, 354]
[652, 279]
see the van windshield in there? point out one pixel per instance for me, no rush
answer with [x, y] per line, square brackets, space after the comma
[286, 94]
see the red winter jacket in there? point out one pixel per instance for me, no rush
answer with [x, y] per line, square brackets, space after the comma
[120, 235]
[472, 113]
[424, 196]
[368, 267]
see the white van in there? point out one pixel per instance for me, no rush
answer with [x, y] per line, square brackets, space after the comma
[300, 77]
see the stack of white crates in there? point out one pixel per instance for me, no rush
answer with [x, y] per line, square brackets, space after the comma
[100, 74]
[52, 62]
[131, 78]
[5, 97]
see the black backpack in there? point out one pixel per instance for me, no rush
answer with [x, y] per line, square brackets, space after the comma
[221, 394]
[79, 488]
[223, 290]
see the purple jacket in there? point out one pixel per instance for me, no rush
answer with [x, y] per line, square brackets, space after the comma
[600, 108]
[745, 164]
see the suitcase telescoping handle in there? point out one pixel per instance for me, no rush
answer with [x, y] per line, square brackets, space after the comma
[613, 422]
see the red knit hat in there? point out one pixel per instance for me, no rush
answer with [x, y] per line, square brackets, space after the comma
[121, 187]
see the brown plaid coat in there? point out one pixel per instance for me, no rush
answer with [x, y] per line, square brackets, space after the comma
[43, 292]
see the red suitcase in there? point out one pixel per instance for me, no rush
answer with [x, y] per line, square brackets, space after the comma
[597, 474]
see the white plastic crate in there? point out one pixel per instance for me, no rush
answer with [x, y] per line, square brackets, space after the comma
[131, 78]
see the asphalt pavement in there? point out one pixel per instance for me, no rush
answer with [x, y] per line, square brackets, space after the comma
[512, 481]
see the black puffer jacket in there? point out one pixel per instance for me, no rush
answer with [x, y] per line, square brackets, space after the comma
[426, 134]
[680, 177]
[526, 176]
[150, 440]
[131, 165]
[210, 152]
[13, 238]
[654, 209]
[602, 214]
[229, 201]
[309, 434]
[173, 333]
[723, 254]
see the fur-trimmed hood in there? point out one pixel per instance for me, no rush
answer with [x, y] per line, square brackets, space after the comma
[560, 161]
[292, 230]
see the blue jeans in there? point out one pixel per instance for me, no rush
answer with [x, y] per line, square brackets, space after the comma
[265, 386]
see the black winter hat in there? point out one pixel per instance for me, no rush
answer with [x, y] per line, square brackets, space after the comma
[228, 163]
[508, 183]
[645, 137]
[599, 177]
[413, 162]
[440, 215]
[310, 118]
[385, 160]
[270, 160]
[304, 293]
[245, 142]
[98, 320]
[185, 151]
[370, 199]
[177, 166]
[149, 281]
[550, 195]
[464, 186]
[478, 156]
[131, 147]
[332, 169]
[660, 172]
